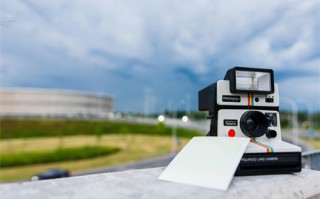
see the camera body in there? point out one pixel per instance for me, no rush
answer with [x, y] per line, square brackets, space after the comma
[242, 105]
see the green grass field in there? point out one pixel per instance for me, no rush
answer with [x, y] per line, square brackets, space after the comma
[315, 142]
[133, 147]
[135, 141]
[23, 128]
[56, 155]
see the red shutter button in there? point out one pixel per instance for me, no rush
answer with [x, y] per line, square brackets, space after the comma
[231, 133]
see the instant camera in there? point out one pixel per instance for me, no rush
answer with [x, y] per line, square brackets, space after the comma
[246, 104]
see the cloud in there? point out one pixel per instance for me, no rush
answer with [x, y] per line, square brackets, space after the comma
[173, 48]
[303, 90]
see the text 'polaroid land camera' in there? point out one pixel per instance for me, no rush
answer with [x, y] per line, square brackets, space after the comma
[246, 104]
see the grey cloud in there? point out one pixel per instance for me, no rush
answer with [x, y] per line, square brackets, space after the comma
[172, 47]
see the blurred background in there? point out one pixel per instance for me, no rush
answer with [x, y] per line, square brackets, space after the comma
[100, 86]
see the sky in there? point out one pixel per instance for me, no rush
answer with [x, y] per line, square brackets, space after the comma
[155, 55]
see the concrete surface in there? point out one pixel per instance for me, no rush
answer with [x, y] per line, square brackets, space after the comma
[153, 162]
[144, 184]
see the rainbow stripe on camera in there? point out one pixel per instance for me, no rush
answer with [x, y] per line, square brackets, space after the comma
[268, 148]
[250, 99]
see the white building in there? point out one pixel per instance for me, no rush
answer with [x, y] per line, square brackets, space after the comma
[53, 103]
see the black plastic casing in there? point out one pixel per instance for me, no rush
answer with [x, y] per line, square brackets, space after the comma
[271, 163]
[207, 100]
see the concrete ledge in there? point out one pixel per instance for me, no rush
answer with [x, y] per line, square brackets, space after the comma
[144, 184]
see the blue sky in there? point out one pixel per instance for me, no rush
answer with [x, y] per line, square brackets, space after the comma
[160, 52]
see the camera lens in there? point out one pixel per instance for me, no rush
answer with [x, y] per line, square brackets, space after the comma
[251, 124]
[254, 124]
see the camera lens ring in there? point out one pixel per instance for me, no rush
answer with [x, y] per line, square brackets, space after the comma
[254, 124]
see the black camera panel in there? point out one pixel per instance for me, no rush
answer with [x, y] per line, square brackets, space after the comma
[272, 119]
[206, 98]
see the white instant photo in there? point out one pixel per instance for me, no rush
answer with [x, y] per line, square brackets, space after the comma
[207, 162]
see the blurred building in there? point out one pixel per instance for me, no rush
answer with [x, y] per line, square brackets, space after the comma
[18, 102]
